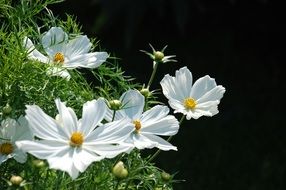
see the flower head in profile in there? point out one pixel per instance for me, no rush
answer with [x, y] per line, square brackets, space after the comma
[193, 100]
[12, 131]
[159, 56]
[148, 125]
[71, 145]
[63, 53]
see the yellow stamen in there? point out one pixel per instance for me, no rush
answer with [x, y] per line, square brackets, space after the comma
[137, 125]
[76, 139]
[59, 57]
[6, 148]
[190, 103]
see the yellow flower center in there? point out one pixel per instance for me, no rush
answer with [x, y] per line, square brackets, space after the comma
[6, 148]
[190, 103]
[137, 125]
[76, 139]
[59, 57]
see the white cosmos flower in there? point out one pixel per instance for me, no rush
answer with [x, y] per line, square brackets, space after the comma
[70, 144]
[65, 53]
[193, 100]
[146, 125]
[12, 131]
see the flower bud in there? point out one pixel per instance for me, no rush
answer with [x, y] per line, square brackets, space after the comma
[165, 176]
[119, 170]
[145, 92]
[7, 109]
[39, 163]
[158, 56]
[115, 104]
[16, 180]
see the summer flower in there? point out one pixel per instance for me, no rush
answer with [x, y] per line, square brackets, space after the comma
[74, 144]
[146, 125]
[12, 131]
[65, 53]
[193, 100]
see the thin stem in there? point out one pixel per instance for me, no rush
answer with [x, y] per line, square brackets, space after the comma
[169, 139]
[4, 139]
[182, 119]
[153, 74]
[113, 115]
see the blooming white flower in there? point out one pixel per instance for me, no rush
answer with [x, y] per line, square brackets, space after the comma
[65, 53]
[12, 131]
[70, 144]
[146, 125]
[200, 99]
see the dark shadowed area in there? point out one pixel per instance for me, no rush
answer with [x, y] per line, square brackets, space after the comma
[239, 43]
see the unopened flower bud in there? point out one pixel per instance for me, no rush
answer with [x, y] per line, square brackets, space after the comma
[115, 104]
[39, 163]
[119, 170]
[16, 180]
[7, 109]
[145, 92]
[158, 56]
[165, 176]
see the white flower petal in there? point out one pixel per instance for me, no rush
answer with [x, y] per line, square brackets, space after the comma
[93, 113]
[64, 161]
[67, 117]
[23, 131]
[142, 142]
[133, 102]
[58, 154]
[176, 105]
[8, 128]
[202, 86]
[214, 94]
[194, 114]
[167, 126]
[43, 149]
[77, 46]
[108, 150]
[58, 71]
[209, 108]
[177, 87]
[119, 114]
[113, 132]
[54, 41]
[42, 125]
[83, 158]
[184, 81]
[33, 53]
[20, 156]
[87, 60]
[154, 114]
[161, 143]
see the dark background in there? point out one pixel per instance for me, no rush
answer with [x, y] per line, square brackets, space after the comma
[240, 44]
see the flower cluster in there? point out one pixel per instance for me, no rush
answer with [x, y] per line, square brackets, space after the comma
[106, 128]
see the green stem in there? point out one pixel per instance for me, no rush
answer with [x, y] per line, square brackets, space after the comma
[182, 119]
[113, 115]
[4, 139]
[169, 139]
[153, 74]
